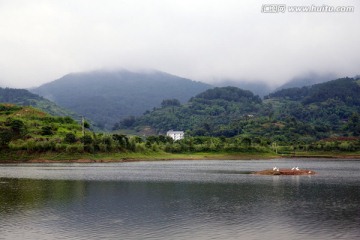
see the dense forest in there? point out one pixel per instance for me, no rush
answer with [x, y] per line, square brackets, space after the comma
[214, 112]
[296, 115]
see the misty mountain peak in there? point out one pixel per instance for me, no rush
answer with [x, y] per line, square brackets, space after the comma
[108, 96]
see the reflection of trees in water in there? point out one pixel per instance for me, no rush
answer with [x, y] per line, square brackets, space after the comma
[297, 204]
[30, 193]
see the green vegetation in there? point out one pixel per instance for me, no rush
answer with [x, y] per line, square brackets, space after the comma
[27, 133]
[215, 112]
[29, 129]
[219, 123]
[309, 118]
[23, 97]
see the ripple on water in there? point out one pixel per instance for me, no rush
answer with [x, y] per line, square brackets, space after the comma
[179, 200]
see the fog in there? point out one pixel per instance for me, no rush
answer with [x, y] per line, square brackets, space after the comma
[204, 40]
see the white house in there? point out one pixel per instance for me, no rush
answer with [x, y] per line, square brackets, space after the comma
[176, 135]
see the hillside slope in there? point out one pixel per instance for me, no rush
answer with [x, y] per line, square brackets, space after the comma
[213, 112]
[309, 79]
[106, 97]
[305, 114]
[23, 97]
[346, 90]
[27, 128]
[323, 110]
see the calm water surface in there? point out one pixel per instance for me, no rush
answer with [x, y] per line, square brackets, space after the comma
[180, 200]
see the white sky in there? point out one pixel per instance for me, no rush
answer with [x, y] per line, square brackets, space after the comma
[205, 40]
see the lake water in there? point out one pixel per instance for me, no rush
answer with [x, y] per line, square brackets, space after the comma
[180, 200]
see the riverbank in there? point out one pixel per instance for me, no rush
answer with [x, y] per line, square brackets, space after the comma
[51, 157]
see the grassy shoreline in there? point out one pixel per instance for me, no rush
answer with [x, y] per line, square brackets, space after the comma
[51, 157]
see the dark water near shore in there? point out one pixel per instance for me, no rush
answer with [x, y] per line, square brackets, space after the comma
[180, 200]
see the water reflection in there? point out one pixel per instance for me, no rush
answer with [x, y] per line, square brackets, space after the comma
[28, 193]
[256, 207]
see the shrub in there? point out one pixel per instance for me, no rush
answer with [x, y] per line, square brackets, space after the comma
[5, 137]
[60, 147]
[89, 148]
[46, 131]
[68, 120]
[138, 147]
[17, 126]
[108, 142]
[103, 147]
[70, 138]
[87, 140]
[75, 148]
[17, 145]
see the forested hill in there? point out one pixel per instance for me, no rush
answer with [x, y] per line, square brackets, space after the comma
[214, 112]
[329, 109]
[346, 90]
[232, 94]
[306, 114]
[105, 97]
[23, 97]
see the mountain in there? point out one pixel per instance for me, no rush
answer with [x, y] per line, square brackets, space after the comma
[325, 110]
[105, 97]
[345, 90]
[208, 113]
[262, 88]
[306, 114]
[307, 80]
[23, 97]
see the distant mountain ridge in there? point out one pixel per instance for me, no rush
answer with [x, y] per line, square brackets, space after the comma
[307, 80]
[346, 90]
[105, 97]
[262, 88]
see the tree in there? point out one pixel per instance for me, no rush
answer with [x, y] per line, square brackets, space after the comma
[46, 131]
[170, 103]
[354, 124]
[5, 137]
[128, 122]
[70, 138]
[68, 120]
[17, 126]
[121, 139]
[246, 142]
[87, 140]
[86, 124]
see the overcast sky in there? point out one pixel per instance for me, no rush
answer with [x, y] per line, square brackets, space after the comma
[205, 40]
